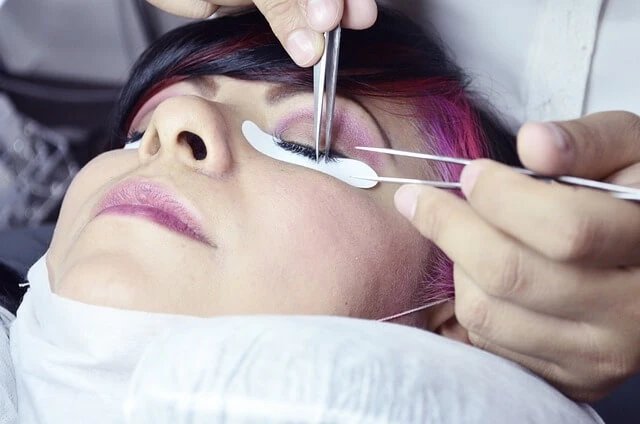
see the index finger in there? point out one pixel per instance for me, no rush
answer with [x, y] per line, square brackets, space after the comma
[561, 222]
[499, 264]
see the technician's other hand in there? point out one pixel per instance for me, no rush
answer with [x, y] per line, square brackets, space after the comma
[548, 275]
[298, 24]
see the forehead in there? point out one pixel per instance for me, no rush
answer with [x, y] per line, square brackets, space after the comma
[400, 120]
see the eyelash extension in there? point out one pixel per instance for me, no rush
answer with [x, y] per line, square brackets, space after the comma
[305, 151]
[133, 137]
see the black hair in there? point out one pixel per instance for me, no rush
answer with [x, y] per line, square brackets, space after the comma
[392, 59]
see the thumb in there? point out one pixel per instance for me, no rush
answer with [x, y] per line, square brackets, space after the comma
[187, 8]
[595, 146]
[289, 24]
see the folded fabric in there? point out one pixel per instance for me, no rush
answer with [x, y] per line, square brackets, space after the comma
[281, 369]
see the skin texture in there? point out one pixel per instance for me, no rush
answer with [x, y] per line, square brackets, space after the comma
[298, 24]
[289, 240]
[545, 274]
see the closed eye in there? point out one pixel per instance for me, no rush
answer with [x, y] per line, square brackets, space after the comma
[302, 155]
[306, 151]
[133, 140]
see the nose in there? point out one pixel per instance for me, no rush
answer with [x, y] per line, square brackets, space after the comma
[191, 130]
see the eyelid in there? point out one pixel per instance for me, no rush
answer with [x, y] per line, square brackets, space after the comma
[333, 154]
[353, 126]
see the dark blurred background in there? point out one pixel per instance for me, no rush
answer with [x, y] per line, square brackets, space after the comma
[62, 64]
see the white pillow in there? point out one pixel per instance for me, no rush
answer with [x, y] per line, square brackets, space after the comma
[272, 369]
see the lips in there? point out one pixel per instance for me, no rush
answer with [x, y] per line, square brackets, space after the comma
[153, 202]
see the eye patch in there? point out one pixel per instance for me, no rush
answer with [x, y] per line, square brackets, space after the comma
[132, 145]
[340, 168]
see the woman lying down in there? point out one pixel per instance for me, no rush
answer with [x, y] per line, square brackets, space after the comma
[200, 266]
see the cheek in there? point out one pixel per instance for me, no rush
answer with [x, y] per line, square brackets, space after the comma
[353, 252]
[80, 198]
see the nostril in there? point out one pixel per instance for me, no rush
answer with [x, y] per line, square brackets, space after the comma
[198, 148]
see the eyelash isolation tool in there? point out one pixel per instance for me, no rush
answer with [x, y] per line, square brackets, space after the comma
[325, 76]
[618, 191]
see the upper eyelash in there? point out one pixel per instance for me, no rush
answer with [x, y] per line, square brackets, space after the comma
[133, 137]
[306, 151]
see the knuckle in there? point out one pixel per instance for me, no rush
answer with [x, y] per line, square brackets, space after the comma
[431, 216]
[613, 365]
[473, 314]
[549, 371]
[629, 123]
[279, 11]
[505, 273]
[604, 363]
[479, 342]
[577, 240]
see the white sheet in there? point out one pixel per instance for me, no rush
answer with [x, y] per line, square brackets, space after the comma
[79, 363]
[280, 369]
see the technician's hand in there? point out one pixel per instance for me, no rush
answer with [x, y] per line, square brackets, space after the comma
[548, 275]
[298, 24]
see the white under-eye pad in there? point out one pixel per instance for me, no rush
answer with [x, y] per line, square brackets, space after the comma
[132, 145]
[341, 168]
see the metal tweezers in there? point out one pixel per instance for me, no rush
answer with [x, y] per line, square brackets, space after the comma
[325, 74]
[618, 191]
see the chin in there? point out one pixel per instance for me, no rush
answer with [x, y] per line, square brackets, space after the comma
[102, 278]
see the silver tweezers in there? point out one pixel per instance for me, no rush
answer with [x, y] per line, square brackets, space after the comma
[618, 191]
[325, 74]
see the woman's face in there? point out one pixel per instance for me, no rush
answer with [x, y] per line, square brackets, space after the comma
[211, 226]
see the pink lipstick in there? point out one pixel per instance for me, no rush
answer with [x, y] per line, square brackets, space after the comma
[154, 203]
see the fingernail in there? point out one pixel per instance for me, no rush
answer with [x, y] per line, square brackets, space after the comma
[469, 177]
[406, 200]
[322, 14]
[300, 46]
[558, 135]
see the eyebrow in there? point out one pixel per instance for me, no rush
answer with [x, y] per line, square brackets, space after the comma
[280, 93]
[206, 84]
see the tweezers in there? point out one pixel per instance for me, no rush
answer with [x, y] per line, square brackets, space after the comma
[325, 76]
[618, 191]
